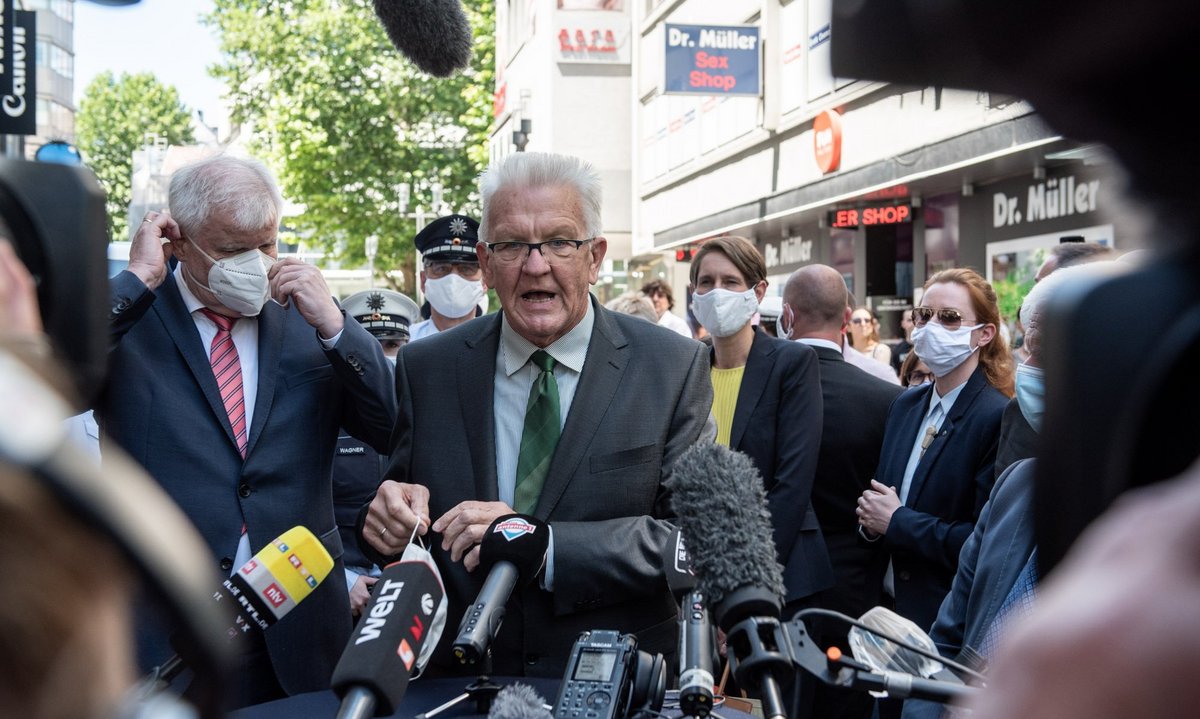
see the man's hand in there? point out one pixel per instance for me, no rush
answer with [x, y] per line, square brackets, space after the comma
[876, 507]
[360, 593]
[292, 279]
[395, 510]
[149, 251]
[463, 526]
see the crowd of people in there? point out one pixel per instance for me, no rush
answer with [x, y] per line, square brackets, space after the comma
[259, 402]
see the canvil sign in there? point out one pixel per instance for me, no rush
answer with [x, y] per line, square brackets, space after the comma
[18, 75]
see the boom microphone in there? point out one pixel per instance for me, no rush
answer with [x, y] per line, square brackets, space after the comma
[434, 34]
[695, 658]
[373, 672]
[721, 506]
[266, 588]
[513, 548]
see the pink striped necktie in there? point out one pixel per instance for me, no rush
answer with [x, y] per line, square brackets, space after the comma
[227, 369]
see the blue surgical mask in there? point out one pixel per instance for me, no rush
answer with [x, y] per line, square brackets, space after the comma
[1031, 394]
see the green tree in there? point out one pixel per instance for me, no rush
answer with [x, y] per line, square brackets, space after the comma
[115, 115]
[343, 119]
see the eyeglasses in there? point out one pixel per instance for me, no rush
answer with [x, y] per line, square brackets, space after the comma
[951, 319]
[860, 320]
[438, 269]
[555, 252]
[918, 377]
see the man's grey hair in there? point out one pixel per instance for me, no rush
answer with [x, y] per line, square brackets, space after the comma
[1051, 286]
[243, 190]
[542, 169]
[636, 304]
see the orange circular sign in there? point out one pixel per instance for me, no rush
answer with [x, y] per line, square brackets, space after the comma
[827, 140]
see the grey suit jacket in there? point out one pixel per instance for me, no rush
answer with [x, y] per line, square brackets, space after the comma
[163, 407]
[643, 397]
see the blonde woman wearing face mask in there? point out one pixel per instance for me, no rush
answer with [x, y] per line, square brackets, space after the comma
[864, 336]
[767, 403]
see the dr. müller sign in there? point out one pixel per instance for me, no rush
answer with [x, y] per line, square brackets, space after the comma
[713, 60]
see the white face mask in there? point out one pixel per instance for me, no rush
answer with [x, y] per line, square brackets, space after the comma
[454, 297]
[414, 552]
[791, 322]
[239, 282]
[942, 349]
[1031, 394]
[724, 312]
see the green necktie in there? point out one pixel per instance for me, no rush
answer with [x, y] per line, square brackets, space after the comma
[539, 437]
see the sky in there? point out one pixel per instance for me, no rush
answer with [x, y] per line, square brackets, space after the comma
[163, 37]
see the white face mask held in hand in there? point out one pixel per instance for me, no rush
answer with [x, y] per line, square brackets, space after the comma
[724, 312]
[943, 349]
[453, 296]
[239, 282]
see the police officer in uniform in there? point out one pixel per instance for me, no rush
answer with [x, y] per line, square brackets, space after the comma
[356, 467]
[450, 276]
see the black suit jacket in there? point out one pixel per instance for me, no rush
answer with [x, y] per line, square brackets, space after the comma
[162, 406]
[856, 410]
[643, 397]
[948, 490]
[777, 423]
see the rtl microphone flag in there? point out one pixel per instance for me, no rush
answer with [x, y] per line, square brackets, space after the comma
[373, 673]
[275, 580]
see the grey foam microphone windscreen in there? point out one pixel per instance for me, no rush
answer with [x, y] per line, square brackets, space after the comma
[434, 34]
[721, 509]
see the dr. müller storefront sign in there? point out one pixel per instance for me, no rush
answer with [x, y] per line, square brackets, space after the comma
[713, 60]
[1063, 200]
[18, 75]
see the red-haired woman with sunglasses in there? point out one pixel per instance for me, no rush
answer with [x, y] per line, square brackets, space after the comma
[936, 466]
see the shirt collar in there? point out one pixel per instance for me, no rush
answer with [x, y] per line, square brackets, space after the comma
[569, 350]
[189, 300]
[947, 402]
[818, 342]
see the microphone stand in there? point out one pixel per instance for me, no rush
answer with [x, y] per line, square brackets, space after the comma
[759, 652]
[482, 691]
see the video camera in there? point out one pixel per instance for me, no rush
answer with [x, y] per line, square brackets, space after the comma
[54, 216]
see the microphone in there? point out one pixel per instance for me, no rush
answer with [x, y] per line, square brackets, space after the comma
[373, 672]
[695, 657]
[433, 34]
[718, 497]
[513, 547]
[265, 588]
[519, 701]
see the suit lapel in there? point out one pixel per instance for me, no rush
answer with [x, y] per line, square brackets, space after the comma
[271, 323]
[754, 381]
[476, 379]
[173, 314]
[599, 382]
[961, 406]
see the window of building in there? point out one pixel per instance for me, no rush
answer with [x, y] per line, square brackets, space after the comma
[62, 61]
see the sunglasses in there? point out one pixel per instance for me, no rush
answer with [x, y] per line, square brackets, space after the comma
[951, 319]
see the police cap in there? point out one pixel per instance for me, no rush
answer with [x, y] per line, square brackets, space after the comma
[452, 237]
[384, 313]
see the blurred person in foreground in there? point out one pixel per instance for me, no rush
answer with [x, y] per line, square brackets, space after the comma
[229, 378]
[936, 465]
[357, 467]
[854, 412]
[547, 416]
[663, 298]
[450, 276]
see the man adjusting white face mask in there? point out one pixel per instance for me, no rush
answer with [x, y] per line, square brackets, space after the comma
[239, 282]
[724, 312]
[943, 349]
[453, 296]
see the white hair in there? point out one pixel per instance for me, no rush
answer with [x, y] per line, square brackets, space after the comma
[1051, 287]
[243, 190]
[542, 169]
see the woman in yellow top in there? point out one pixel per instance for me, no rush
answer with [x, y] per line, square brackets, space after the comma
[767, 404]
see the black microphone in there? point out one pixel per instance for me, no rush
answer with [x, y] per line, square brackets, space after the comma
[434, 34]
[513, 548]
[718, 497]
[268, 586]
[518, 701]
[695, 657]
[373, 672]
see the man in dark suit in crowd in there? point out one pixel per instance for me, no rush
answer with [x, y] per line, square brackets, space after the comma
[815, 312]
[631, 397]
[232, 401]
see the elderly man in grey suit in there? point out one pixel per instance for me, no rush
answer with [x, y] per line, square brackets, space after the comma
[630, 397]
